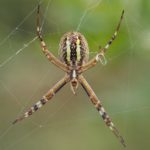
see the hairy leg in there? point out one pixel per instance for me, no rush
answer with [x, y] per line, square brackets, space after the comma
[48, 54]
[45, 98]
[100, 56]
[100, 108]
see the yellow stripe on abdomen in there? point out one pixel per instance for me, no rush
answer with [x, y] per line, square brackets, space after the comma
[78, 50]
[68, 49]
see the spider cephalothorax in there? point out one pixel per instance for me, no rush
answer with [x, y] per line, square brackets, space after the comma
[74, 53]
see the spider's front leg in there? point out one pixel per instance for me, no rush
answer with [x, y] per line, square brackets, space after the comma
[45, 98]
[100, 108]
[48, 54]
[100, 56]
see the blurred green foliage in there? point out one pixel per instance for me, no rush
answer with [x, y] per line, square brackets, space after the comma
[71, 122]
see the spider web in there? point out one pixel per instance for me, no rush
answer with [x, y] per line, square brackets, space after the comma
[50, 121]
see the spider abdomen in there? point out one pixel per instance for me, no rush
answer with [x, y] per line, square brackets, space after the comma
[73, 49]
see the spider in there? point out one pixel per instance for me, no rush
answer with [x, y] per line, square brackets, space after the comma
[74, 54]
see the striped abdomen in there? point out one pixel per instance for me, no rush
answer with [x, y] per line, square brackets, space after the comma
[73, 49]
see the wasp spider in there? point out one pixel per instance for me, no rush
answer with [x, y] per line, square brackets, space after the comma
[74, 53]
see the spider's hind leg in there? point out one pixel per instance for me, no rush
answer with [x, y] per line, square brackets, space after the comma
[45, 50]
[101, 54]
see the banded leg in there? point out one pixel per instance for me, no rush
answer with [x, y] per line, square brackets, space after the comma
[100, 56]
[44, 99]
[100, 108]
[48, 54]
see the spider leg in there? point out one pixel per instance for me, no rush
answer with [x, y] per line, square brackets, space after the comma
[103, 50]
[48, 54]
[45, 98]
[100, 108]
[100, 56]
